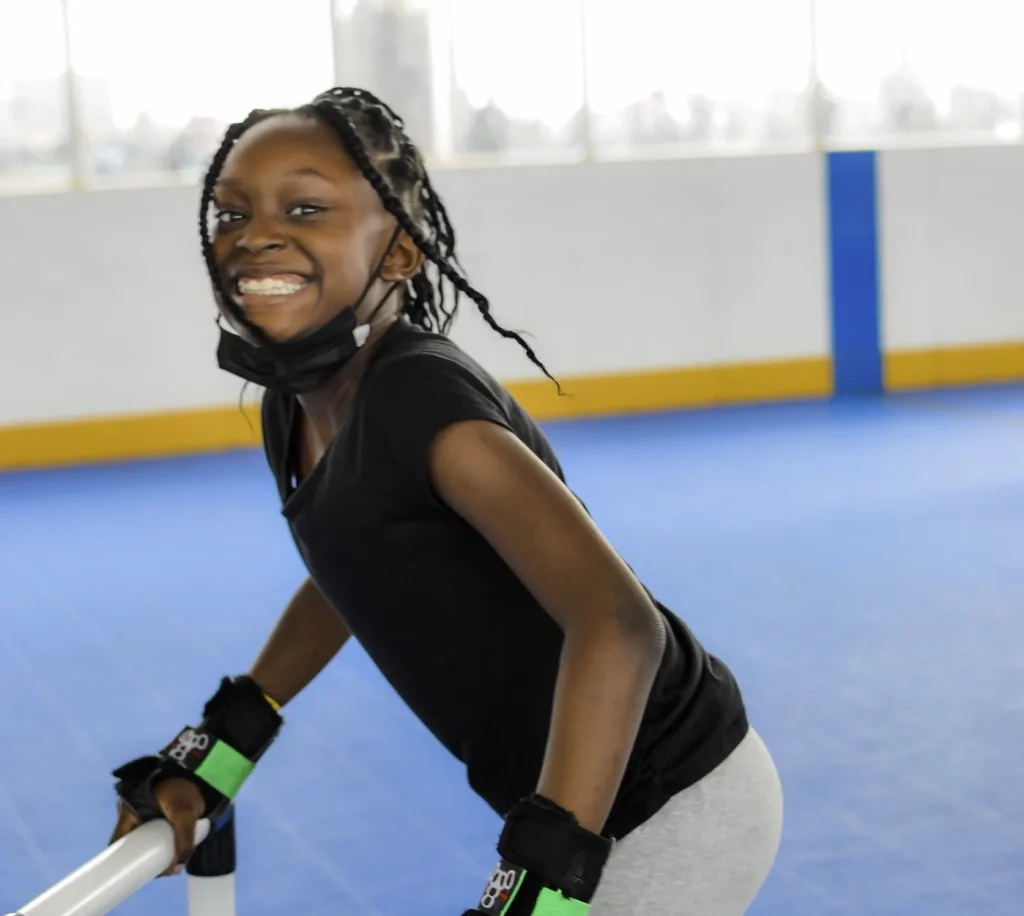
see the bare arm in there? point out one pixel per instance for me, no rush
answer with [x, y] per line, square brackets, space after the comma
[614, 636]
[306, 637]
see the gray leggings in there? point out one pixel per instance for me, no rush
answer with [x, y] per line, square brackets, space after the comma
[707, 851]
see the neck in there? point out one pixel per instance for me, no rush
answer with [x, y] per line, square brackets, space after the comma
[327, 406]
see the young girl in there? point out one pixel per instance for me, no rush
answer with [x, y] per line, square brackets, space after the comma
[434, 521]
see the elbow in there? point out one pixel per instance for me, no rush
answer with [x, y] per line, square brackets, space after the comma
[632, 624]
[643, 626]
[640, 621]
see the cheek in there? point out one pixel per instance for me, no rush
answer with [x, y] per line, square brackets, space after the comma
[221, 248]
[344, 276]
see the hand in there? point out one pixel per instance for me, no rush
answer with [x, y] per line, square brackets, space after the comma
[182, 805]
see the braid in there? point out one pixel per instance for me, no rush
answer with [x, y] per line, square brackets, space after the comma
[422, 292]
[439, 245]
[209, 182]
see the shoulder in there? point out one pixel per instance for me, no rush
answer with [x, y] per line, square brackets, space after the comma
[430, 376]
[414, 350]
[423, 384]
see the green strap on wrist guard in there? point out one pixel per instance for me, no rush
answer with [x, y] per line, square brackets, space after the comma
[208, 758]
[550, 865]
[239, 723]
[512, 891]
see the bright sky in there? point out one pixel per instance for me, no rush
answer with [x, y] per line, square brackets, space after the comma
[223, 57]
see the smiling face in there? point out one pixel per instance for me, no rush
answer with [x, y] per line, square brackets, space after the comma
[299, 230]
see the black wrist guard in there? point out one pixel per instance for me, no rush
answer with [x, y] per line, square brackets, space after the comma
[549, 863]
[239, 724]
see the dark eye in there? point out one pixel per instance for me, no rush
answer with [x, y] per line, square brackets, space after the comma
[305, 210]
[228, 216]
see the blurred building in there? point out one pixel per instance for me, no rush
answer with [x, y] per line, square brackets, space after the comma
[384, 46]
[34, 118]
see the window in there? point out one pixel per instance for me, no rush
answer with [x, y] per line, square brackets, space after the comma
[159, 82]
[488, 80]
[916, 70]
[34, 142]
[692, 73]
[517, 79]
[389, 48]
[500, 81]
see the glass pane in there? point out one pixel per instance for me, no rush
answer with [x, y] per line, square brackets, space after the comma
[33, 107]
[161, 81]
[388, 48]
[899, 70]
[473, 79]
[516, 79]
[688, 73]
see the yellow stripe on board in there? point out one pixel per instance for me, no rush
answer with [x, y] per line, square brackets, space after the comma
[675, 389]
[120, 438]
[943, 367]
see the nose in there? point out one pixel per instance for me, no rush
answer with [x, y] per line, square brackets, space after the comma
[261, 235]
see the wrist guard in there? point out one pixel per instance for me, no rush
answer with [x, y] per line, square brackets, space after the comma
[550, 865]
[239, 724]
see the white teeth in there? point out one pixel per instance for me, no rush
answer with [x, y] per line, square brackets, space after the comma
[267, 286]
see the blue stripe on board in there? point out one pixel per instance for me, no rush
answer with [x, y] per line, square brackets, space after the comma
[853, 256]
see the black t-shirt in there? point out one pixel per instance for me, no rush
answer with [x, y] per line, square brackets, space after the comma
[453, 630]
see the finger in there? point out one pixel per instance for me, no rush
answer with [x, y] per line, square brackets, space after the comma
[127, 821]
[183, 819]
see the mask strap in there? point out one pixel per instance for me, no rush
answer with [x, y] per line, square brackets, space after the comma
[376, 270]
[362, 331]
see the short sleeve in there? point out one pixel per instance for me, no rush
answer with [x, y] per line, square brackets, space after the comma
[417, 396]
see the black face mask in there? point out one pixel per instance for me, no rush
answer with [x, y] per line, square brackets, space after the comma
[307, 363]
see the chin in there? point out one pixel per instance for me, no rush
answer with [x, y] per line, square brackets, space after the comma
[280, 332]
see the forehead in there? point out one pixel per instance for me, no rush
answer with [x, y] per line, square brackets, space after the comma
[284, 144]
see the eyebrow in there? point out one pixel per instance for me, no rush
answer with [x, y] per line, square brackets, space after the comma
[295, 173]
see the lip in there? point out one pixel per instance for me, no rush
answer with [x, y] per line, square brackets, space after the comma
[257, 272]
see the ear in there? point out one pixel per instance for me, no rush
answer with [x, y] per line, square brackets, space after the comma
[404, 260]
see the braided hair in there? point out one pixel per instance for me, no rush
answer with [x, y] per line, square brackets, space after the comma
[374, 138]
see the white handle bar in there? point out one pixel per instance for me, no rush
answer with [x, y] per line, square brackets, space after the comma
[110, 878]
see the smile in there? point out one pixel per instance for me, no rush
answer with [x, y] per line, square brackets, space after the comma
[277, 285]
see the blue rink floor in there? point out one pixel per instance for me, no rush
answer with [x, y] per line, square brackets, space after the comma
[859, 564]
